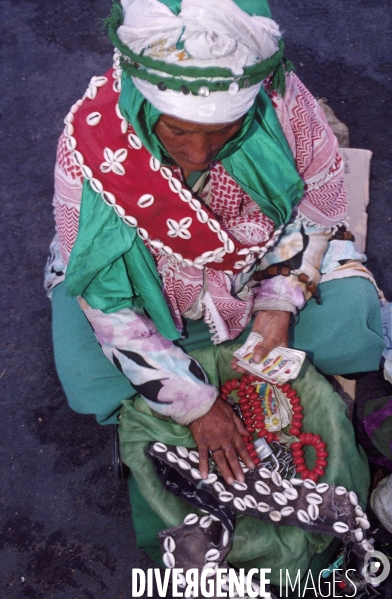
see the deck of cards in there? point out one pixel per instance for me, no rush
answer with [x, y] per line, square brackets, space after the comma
[281, 365]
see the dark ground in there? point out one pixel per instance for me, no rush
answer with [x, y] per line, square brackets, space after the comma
[65, 529]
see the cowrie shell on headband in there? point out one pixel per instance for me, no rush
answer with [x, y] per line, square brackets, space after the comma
[205, 521]
[169, 560]
[160, 447]
[313, 511]
[191, 519]
[212, 555]
[169, 544]
[340, 490]
[263, 507]
[340, 527]
[303, 516]
[275, 516]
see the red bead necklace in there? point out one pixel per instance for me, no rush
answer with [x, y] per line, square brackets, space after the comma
[252, 412]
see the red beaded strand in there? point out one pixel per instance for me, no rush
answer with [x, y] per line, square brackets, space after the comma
[254, 420]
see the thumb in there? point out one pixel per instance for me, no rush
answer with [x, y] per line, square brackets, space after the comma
[261, 351]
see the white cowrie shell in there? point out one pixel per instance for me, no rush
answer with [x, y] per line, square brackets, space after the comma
[185, 195]
[181, 580]
[340, 490]
[214, 225]
[358, 534]
[223, 236]
[71, 143]
[97, 186]
[211, 478]
[309, 484]
[225, 496]
[262, 488]
[367, 545]
[131, 221]
[169, 544]
[93, 118]
[184, 464]
[359, 511]
[353, 498]
[155, 165]
[172, 457]
[212, 555]
[124, 126]
[230, 247]
[303, 516]
[322, 487]
[243, 251]
[169, 560]
[160, 447]
[291, 493]
[208, 256]
[202, 216]
[69, 129]
[142, 233]
[239, 504]
[297, 482]
[110, 199]
[182, 451]
[74, 108]
[314, 498]
[213, 566]
[276, 479]
[263, 507]
[240, 486]
[275, 516]
[191, 519]
[280, 498]
[117, 85]
[287, 511]
[240, 264]
[205, 521]
[218, 487]
[286, 484]
[78, 158]
[145, 200]
[119, 210]
[175, 185]
[225, 538]
[194, 456]
[87, 172]
[99, 81]
[363, 523]
[340, 527]
[250, 502]
[264, 473]
[195, 204]
[313, 511]
[196, 474]
[166, 172]
[167, 250]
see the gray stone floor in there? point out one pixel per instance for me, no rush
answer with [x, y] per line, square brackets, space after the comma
[65, 527]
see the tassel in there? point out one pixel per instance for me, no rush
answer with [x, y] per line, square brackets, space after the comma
[278, 82]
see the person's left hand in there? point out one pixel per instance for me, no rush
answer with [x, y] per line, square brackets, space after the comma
[274, 326]
[220, 431]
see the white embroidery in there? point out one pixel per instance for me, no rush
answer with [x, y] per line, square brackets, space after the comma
[113, 161]
[179, 229]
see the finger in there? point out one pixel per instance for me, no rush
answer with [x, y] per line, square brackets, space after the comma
[225, 470]
[241, 450]
[203, 460]
[234, 464]
[240, 425]
[261, 352]
[235, 366]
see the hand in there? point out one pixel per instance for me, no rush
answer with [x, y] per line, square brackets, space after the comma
[274, 326]
[221, 431]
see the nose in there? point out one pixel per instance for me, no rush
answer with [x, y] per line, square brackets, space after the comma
[199, 150]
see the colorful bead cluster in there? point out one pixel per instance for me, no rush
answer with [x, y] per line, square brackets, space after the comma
[252, 412]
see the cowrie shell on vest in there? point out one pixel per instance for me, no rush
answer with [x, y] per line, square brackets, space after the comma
[169, 544]
[182, 451]
[309, 484]
[214, 225]
[99, 81]
[276, 479]
[212, 555]
[262, 488]
[69, 129]
[191, 519]
[340, 527]
[124, 126]
[155, 165]
[229, 245]
[195, 204]
[218, 487]
[145, 200]
[303, 516]
[353, 498]
[205, 521]
[142, 233]
[263, 507]
[250, 502]
[97, 186]
[225, 496]
[71, 143]
[211, 478]
[264, 473]
[240, 486]
[134, 141]
[130, 220]
[175, 185]
[322, 487]
[313, 511]
[358, 534]
[196, 474]
[287, 511]
[194, 456]
[291, 493]
[87, 172]
[275, 516]
[184, 464]
[363, 523]
[280, 498]
[340, 490]
[160, 447]
[169, 560]
[78, 158]
[172, 457]
[223, 236]
[314, 498]
[239, 504]
[185, 195]
[166, 172]
[119, 210]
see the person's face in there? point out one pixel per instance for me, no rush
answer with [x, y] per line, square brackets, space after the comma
[193, 146]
